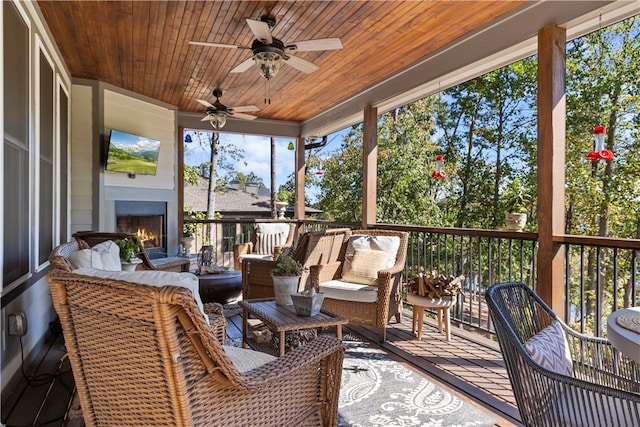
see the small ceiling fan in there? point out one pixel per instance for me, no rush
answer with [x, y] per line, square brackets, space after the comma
[269, 53]
[217, 112]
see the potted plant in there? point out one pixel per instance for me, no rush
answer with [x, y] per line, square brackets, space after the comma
[129, 249]
[518, 203]
[286, 277]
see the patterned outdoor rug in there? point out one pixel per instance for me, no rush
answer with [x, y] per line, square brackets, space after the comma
[378, 391]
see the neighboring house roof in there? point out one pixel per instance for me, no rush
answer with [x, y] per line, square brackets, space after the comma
[234, 202]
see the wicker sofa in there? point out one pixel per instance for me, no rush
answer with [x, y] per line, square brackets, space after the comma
[144, 355]
[87, 239]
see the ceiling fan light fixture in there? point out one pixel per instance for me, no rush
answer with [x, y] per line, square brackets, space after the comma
[218, 119]
[268, 63]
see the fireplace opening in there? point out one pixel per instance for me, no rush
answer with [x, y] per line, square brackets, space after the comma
[149, 228]
[148, 221]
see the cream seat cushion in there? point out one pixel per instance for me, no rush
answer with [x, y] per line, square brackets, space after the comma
[347, 291]
[153, 278]
[245, 360]
[255, 256]
[103, 256]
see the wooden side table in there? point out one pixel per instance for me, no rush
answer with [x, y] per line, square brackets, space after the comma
[282, 318]
[441, 305]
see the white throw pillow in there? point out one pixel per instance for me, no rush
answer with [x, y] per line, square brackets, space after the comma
[152, 278]
[389, 244]
[103, 256]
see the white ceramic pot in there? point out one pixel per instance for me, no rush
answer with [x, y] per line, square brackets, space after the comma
[515, 221]
[283, 287]
[130, 266]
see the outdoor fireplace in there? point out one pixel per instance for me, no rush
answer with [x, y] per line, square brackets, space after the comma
[146, 219]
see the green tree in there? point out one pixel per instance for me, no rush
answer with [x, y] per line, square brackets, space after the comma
[603, 88]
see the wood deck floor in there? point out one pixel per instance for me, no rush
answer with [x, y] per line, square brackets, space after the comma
[469, 365]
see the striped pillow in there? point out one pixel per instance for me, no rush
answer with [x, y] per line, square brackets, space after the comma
[550, 349]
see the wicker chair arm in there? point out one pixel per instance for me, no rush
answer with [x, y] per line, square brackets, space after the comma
[595, 360]
[324, 273]
[238, 250]
[325, 349]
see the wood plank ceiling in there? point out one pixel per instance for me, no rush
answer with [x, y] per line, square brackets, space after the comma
[142, 46]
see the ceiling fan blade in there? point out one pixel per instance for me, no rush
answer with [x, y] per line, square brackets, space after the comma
[301, 64]
[318, 44]
[243, 66]
[260, 30]
[243, 116]
[231, 46]
[244, 109]
[205, 103]
[205, 118]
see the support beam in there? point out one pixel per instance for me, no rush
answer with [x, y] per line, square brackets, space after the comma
[551, 165]
[299, 211]
[369, 166]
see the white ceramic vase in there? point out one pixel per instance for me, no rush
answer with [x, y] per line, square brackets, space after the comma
[515, 221]
[283, 287]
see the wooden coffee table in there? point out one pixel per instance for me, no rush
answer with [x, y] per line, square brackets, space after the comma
[282, 318]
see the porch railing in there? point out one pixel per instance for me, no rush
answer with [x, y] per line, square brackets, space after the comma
[602, 274]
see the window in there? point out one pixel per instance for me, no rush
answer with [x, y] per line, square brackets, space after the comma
[16, 175]
[47, 182]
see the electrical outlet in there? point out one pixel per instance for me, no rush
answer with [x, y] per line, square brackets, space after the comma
[18, 323]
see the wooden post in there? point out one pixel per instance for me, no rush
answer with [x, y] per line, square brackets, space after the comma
[274, 212]
[551, 166]
[299, 212]
[369, 165]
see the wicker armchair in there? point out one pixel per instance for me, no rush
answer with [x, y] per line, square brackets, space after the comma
[600, 387]
[386, 298]
[59, 260]
[317, 247]
[87, 239]
[144, 356]
[266, 243]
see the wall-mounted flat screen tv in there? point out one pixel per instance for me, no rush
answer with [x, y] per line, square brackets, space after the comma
[132, 154]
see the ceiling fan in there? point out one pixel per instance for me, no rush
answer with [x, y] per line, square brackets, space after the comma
[217, 112]
[270, 52]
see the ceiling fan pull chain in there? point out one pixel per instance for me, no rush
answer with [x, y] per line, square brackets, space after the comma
[267, 93]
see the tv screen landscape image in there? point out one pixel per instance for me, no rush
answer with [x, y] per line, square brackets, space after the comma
[132, 154]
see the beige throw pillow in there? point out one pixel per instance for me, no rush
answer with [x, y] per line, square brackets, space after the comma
[364, 266]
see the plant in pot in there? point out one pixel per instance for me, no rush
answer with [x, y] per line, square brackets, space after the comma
[286, 277]
[129, 249]
[518, 203]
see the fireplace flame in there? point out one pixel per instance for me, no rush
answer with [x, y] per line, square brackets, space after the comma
[148, 239]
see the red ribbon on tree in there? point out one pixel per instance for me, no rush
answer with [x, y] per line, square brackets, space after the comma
[439, 173]
[599, 152]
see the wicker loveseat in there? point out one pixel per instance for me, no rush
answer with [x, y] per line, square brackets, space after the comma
[144, 356]
[87, 239]
[560, 377]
